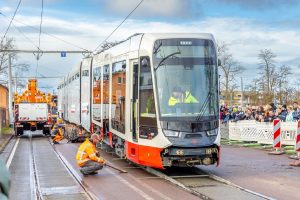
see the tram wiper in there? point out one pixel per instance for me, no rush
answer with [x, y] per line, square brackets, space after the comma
[204, 106]
[157, 49]
[167, 57]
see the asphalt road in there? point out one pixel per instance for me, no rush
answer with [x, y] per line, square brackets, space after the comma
[254, 169]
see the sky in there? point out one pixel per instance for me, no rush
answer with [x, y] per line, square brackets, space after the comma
[246, 26]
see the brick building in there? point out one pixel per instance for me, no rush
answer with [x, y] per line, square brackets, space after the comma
[3, 105]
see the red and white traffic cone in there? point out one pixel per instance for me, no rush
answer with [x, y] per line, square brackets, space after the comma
[297, 147]
[277, 137]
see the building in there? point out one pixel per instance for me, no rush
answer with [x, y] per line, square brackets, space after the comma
[3, 106]
[236, 98]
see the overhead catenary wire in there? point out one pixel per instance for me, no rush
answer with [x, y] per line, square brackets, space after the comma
[50, 35]
[39, 45]
[7, 29]
[17, 28]
[118, 26]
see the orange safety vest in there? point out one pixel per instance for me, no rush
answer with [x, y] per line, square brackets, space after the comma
[59, 136]
[87, 151]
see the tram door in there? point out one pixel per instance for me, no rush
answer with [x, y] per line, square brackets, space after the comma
[134, 99]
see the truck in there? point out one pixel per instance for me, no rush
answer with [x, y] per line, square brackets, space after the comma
[32, 110]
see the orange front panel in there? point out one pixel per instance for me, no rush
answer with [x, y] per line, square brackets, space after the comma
[110, 139]
[144, 155]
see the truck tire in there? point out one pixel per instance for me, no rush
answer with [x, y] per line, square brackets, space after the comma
[19, 131]
[46, 132]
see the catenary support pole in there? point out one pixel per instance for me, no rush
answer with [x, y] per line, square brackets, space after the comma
[10, 111]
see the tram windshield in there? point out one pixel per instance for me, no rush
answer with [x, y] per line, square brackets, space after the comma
[186, 78]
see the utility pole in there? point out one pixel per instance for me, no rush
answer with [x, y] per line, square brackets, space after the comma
[16, 84]
[10, 111]
[242, 90]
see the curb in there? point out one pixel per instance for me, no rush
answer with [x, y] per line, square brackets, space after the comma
[6, 142]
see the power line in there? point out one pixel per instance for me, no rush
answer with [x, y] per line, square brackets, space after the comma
[39, 46]
[119, 25]
[38, 77]
[41, 22]
[17, 28]
[43, 51]
[50, 35]
[11, 21]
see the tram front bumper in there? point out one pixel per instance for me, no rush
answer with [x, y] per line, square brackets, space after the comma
[176, 156]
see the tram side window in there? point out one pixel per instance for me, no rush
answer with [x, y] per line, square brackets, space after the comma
[147, 105]
[97, 94]
[118, 96]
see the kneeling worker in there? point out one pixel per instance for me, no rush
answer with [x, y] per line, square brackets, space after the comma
[88, 157]
[58, 135]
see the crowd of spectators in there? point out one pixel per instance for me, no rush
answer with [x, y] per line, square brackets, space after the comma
[265, 113]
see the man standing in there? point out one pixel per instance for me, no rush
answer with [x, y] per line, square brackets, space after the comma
[88, 158]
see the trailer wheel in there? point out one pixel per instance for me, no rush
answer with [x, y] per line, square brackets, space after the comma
[19, 131]
[46, 132]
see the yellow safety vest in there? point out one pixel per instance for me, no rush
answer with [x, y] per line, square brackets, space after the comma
[59, 136]
[189, 98]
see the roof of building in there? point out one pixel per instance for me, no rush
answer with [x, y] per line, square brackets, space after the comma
[3, 86]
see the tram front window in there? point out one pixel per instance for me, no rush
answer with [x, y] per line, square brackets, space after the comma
[186, 78]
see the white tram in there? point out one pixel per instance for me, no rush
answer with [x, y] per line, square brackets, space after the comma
[153, 98]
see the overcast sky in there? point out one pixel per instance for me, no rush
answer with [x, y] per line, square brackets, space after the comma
[247, 26]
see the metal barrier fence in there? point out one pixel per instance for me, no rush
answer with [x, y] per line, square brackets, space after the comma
[261, 132]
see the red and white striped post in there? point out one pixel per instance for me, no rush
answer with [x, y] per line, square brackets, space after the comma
[276, 138]
[276, 132]
[298, 140]
[297, 146]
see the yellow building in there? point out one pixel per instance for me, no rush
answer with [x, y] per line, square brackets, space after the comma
[3, 105]
[235, 98]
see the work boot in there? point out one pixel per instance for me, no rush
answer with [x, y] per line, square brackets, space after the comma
[93, 173]
[84, 174]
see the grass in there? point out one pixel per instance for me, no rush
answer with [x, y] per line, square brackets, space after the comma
[3, 141]
[6, 130]
[290, 152]
[289, 148]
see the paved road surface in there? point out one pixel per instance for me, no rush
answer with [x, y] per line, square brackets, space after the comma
[256, 170]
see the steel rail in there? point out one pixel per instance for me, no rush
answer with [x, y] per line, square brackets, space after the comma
[72, 172]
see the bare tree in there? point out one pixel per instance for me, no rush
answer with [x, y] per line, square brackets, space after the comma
[229, 69]
[283, 83]
[17, 68]
[268, 73]
[253, 91]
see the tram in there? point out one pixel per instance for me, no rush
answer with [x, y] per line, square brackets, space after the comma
[154, 98]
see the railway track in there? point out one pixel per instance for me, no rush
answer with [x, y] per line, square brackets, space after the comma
[34, 159]
[200, 183]
[203, 185]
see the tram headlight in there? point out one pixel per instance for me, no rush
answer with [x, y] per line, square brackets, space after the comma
[169, 133]
[212, 132]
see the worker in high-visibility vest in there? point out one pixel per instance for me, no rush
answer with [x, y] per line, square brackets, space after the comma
[58, 135]
[180, 96]
[88, 158]
[57, 132]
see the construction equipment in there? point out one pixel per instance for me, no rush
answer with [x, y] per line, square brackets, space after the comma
[32, 110]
